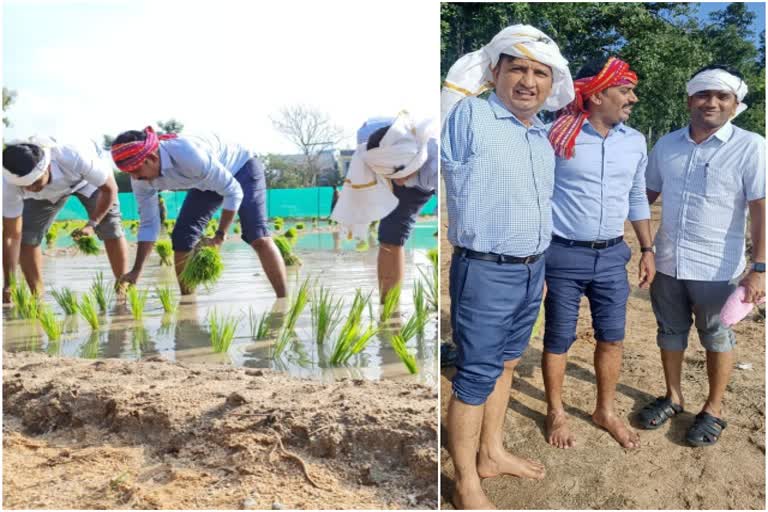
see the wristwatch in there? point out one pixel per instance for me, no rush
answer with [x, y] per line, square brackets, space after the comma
[646, 249]
[92, 223]
[758, 267]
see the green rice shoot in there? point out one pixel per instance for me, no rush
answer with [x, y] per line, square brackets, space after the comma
[25, 303]
[421, 309]
[289, 324]
[398, 344]
[52, 235]
[87, 244]
[89, 310]
[286, 251]
[350, 340]
[326, 313]
[430, 289]
[165, 294]
[291, 233]
[259, 328]
[164, 249]
[102, 292]
[391, 301]
[222, 329]
[203, 267]
[432, 256]
[67, 300]
[136, 301]
[51, 325]
[362, 246]
[237, 229]
[413, 326]
[299, 226]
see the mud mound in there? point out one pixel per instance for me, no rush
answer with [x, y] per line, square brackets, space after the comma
[154, 434]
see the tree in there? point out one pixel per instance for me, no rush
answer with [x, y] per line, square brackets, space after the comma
[170, 126]
[280, 173]
[9, 97]
[107, 141]
[311, 131]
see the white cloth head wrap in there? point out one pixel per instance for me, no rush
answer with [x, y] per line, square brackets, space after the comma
[719, 80]
[367, 194]
[472, 74]
[39, 170]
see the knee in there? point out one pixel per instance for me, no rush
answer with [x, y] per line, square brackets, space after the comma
[262, 243]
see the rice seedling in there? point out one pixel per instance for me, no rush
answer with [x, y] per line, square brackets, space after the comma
[278, 220]
[398, 344]
[291, 233]
[52, 235]
[136, 301]
[169, 225]
[203, 267]
[88, 310]
[102, 292]
[431, 287]
[165, 294]
[164, 249]
[286, 251]
[260, 327]
[299, 226]
[289, 323]
[134, 226]
[413, 326]
[326, 313]
[25, 303]
[237, 229]
[51, 325]
[391, 301]
[87, 244]
[222, 329]
[66, 299]
[421, 310]
[432, 256]
[350, 340]
[362, 246]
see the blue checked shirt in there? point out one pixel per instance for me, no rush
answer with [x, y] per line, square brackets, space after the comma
[705, 189]
[202, 163]
[498, 177]
[601, 186]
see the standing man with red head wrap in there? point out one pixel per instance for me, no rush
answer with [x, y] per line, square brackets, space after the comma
[599, 183]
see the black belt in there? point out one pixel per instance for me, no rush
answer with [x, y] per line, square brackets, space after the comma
[597, 244]
[498, 258]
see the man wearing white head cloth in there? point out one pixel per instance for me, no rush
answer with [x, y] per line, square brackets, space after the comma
[392, 175]
[710, 174]
[498, 167]
[38, 178]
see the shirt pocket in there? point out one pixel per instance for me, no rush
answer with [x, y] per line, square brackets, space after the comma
[720, 181]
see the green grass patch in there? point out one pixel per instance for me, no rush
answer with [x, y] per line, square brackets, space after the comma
[326, 313]
[222, 329]
[102, 292]
[286, 251]
[203, 267]
[67, 300]
[391, 301]
[165, 294]
[289, 324]
[89, 310]
[136, 301]
[164, 249]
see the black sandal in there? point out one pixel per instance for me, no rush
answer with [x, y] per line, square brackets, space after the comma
[655, 414]
[706, 430]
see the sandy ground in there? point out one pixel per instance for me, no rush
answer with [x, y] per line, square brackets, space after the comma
[664, 473]
[153, 434]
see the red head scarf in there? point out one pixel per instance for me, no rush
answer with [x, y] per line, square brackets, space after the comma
[129, 156]
[569, 121]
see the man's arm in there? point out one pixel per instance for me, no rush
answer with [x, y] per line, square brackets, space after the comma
[754, 282]
[149, 227]
[11, 246]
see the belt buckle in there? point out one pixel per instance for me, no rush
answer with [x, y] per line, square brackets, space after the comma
[527, 260]
[599, 244]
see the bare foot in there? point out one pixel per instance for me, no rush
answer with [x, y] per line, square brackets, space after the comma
[616, 427]
[471, 499]
[504, 463]
[558, 433]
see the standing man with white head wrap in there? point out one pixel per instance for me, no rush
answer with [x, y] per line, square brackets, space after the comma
[709, 174]
[498, 167]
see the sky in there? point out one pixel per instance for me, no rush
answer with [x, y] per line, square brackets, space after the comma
[83, 69]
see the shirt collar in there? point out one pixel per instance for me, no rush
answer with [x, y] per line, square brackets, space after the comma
[621, 127]
[723, 134]
[165, 159]
[502, 112]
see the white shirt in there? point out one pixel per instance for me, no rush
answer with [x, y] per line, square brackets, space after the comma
[705, 190]
[73, 169]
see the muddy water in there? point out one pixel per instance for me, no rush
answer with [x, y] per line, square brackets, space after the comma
[184, 335]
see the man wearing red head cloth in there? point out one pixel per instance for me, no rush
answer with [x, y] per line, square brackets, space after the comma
[599, 183]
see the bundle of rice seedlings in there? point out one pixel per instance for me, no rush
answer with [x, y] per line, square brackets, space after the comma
[87, 244]
[289, 324]
[402, 352]
[89, 311]
[391, 301]
[326, 313]
[350, 340]
[165, 294]
[362, 246]
[299, 225]
[237, 229]
[203, 267]
[260, 327]
[286, 251]
[136, 301]
[102, 292]
[164, 249]
[25, 303]
[51, 325]
[169, 225]
[291, 233]
[67, 300]
[222, 329]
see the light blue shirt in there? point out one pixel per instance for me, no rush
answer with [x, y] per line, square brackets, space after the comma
[498, 177]
[601, 186]
[705, 189]
[188, 162]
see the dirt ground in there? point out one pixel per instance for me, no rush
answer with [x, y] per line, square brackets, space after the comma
[664, 473]
[154, 434]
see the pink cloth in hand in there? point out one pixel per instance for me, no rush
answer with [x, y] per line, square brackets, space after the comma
[734, 309]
